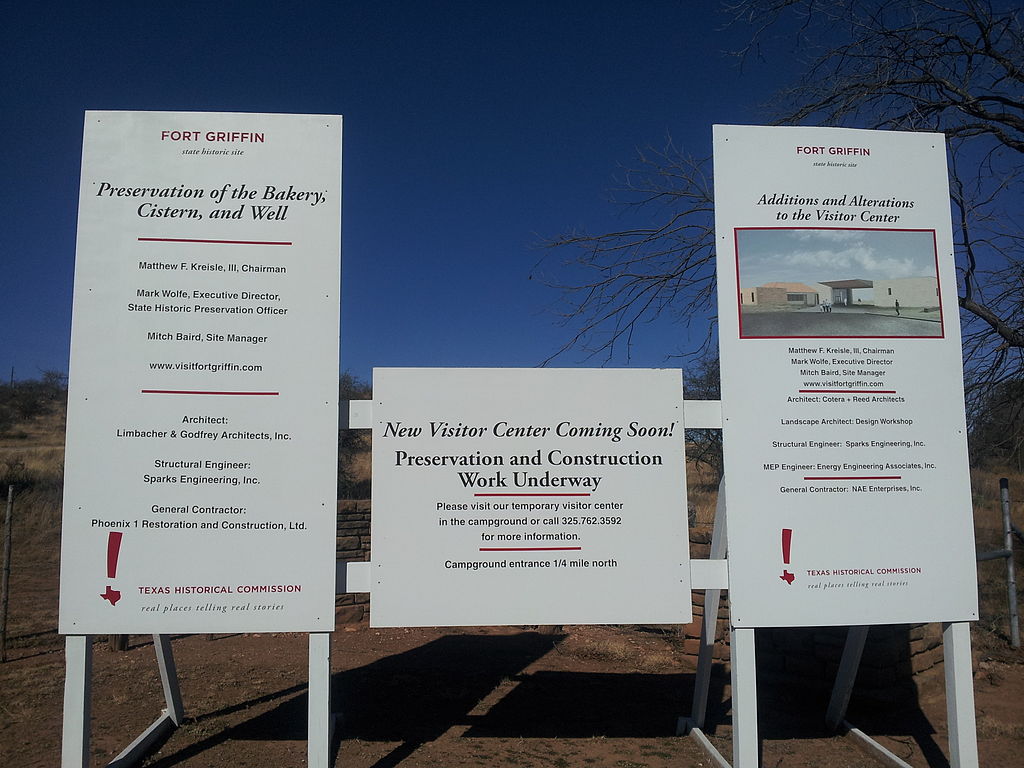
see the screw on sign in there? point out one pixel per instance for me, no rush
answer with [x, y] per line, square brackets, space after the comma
[113, 550]
[787, 540]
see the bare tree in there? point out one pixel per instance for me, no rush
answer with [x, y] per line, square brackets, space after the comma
[352, 442]
[614, 282]
[704, 446]
[997, 434]
[955, 67]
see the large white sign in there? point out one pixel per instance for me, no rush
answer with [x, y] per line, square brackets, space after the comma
[200, 481]
[842, 387]
[528, 496]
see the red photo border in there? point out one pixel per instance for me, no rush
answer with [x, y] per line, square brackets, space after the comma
[739, 301]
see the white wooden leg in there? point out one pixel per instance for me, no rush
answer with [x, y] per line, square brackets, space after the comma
[77, 701]
[319, 746]
[709, 627]
[963, 733]
[169, 678]
[845, 677]
[744, 699]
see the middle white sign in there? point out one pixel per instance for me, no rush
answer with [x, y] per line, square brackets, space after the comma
[528, 496]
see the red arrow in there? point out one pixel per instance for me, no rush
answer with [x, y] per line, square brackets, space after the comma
[112, 595]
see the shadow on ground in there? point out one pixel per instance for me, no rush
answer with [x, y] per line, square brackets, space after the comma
[415, 697]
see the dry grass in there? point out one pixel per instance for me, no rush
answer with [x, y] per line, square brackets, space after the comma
[702, 494]
[43, 431]
[38, 444]
[991, 728]
[613, 649]
[620, 646]
[32, 461]
[360, 466]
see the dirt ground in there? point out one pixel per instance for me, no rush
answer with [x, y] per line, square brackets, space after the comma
[419, 698]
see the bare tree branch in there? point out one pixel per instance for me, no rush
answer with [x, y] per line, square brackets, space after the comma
[613, 282]
[952, 66]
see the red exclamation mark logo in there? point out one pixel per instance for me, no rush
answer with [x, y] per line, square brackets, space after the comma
[787, 540]
[113, 550]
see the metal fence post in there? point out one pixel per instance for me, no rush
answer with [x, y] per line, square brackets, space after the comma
[5, 586]
[1011, 576]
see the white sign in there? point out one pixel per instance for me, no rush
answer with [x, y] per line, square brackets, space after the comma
[847, 480]
[528, 496]
[200, 481]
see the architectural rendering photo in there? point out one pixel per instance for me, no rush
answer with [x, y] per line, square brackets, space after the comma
[838, 283]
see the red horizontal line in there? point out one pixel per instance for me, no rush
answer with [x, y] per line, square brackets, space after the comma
[857, 477]
[854, 391]
[531, 494]
[529, 549]
[200, 392]
[842, 229]
[216, 242]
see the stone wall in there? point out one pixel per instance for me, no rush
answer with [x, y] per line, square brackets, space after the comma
[353, 546]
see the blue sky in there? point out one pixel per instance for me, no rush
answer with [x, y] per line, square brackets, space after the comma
[472, 132]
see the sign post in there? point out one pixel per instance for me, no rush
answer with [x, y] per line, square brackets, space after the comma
[842, 397]
[528, 496]
[200, 481]
[842, 382]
